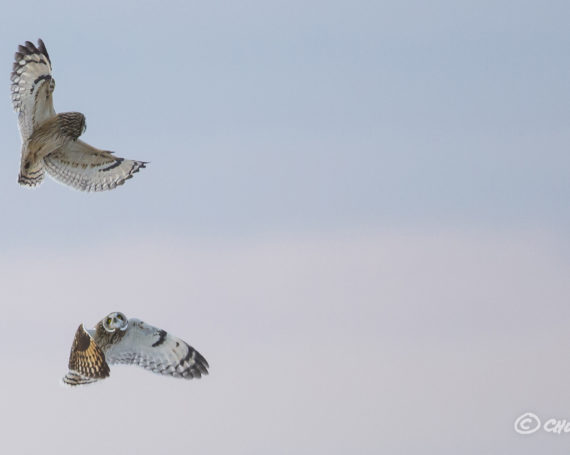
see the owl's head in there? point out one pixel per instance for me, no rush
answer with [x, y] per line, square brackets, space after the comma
[71, 124]
[115, 320]
[80, 125]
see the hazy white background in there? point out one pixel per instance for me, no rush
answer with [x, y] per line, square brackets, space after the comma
[357, 211]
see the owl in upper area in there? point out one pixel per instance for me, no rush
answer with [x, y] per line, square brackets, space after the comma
[50, 141]
[116, 339]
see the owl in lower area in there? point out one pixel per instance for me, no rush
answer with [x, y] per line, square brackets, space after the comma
[116, 339]
[50, 141]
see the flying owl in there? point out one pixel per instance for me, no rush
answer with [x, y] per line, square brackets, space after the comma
[116, 339]
[50, 141]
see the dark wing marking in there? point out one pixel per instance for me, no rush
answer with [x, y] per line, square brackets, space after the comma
[86, 361]
[157, 351]
[32, 87]
[87, 168]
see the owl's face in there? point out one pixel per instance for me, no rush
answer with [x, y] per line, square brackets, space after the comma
[114, 321]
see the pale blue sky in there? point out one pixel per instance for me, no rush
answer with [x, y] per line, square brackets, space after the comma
[269, 116]
[357, 211]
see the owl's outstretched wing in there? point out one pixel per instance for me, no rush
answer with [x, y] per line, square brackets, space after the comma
[87, 168]
[157, 351]
[32, 87]
[86, 361]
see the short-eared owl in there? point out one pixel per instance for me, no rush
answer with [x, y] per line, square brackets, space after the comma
[116, 339]
[49, 140]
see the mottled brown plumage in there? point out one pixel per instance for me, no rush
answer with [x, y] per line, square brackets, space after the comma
[50, 136]
[105, 339]
[86, 360]
[50, 142]
[133, 342]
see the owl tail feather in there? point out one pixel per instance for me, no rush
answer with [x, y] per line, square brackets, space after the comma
[31, 171]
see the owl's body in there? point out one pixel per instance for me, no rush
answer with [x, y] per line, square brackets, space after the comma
[118, 340]
[50, 141]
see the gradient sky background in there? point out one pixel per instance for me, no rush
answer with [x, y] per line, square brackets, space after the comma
[357, 211]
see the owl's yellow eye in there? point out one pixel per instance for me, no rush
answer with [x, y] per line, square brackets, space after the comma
[109, 320]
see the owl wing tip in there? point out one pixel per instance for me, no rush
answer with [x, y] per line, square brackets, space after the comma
[73, 379]
[31, 73]
[85, 168]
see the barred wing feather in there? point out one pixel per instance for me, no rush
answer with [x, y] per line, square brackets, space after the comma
[87, 362]
[158, 351]
[87, 168]
[32, 87]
